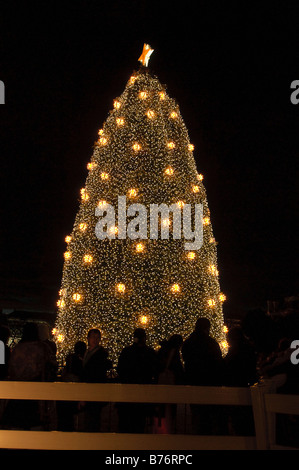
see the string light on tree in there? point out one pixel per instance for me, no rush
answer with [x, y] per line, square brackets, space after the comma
[143, 151]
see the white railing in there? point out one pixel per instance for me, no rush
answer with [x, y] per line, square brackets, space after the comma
[260, 397]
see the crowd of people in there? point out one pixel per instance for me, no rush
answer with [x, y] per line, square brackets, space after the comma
[197, 360]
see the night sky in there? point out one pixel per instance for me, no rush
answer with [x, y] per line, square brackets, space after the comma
[229, 68]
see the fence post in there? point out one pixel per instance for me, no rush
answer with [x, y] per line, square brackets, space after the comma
[265, 423]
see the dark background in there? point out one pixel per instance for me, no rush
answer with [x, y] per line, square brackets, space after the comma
[228, 65]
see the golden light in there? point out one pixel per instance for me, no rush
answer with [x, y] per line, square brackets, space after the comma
[169, 171]
[60, 338]
[175, 288]
[67, 255]
[171, 145]
[54, 331]
[225, 329]
[151, 114]
[120, 121]
[180, 204]
[84, 194]
[191, 255]
[132, 192]
[136, 147]
[222, 297]
[190, 147]
[116, 104]
[143, 95]
[113, 229]
[83, 226]
[212, 240]
[91, 165]
[211, 303]
[60, 303]
[68, 238]
[173, 115]
[224, 344]
[195, 189]
[162, 95]
[102, 204]
[121, 288]
[206, 220]
[104, 175]
[87, 259]
[103, 140]
[77, 297]
[132, 80]
[200, 177]
[143, 319]
[101, 131]
[140, 247]
[165, 222]
[213, 270]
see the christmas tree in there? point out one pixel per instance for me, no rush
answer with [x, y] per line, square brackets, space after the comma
[127, 271]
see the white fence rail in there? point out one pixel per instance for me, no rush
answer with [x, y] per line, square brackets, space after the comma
[265, 404]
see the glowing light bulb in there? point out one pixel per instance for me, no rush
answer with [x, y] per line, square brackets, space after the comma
[150, 114]
[87, 259]
[180, 204]
[213, 270]
[101, 131]
[211, 303]
[68, 238]
[77, 297]
[121, 288]
[67, 255]
[103, 141]
[116, 104]
[190, 147]
[171, 145]
[143, 95]
[191, 255]
[91, 165]
[120, 121]
[113, 229]
[104, 175]
[84, 194]
[169, 171]
[54, 331]
[200, 177]
[143, 319]
[173, 114]
[60, 338]
[225, 329]
[175, 288]
[136, 147]
[140, 247]
[162, 95]
[83, 226]
[60, 303]
[206, 220]
[222, 297]
[132, 80]
[166, 222]
[102, 204]
[195, 188]
[133, 192]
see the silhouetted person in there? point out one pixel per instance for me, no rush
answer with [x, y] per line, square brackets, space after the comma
[171, 372]
[137, 364]
[72, 372]
[4, 337]
[95, 366]
[28, 362]
[240, 371]
[204, 367]
[44, 336]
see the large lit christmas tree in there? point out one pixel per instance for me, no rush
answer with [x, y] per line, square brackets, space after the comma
[118, 282]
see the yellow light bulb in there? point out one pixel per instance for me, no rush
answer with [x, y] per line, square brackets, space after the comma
[102, 204]
[132, 80]
[83, 226]
[206, 220]
[211, 303]
[121, 288]
[143, 95]
[120, 121]
[91, 165]
[54, 331]
[150, 114]
[60, 303]
[225, 329]
[171, 145]
[162, 95]
[222, 297]
[190, 147]
[140, 247]
[143, 319]
[116, 104]
[67, 255]
[180, 204]
[195, 189]
[103, 140]
[175, 288]
[87, 259]
[101, 131]
[173, 114]
[60, 338]
[200, 177]
[136, 147]
[68, 238]
[104, 175]
[191, 255]
[77, 297]
[133, 192]
[169, 171]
